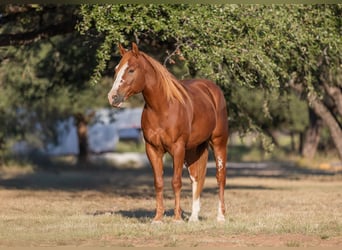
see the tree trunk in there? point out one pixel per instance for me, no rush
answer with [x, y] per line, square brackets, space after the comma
[293, 144]
[334, 128]
[2, 147]
[82, 133]
[311, 136]
[323, 112]
[336, 94]
[272, 135]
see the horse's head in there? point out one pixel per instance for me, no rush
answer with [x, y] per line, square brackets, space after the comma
[129, 77]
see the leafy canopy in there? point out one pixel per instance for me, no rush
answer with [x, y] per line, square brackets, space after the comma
[251, 46]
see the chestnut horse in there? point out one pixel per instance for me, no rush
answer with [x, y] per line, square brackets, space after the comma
[179, 117]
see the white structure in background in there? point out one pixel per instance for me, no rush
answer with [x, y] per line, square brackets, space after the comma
[109, 126]
[102, 138]
[67, 139]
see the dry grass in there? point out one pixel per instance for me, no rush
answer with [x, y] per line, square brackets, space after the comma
[41, 208]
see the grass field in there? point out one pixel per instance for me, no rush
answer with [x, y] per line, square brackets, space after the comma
[271, 206]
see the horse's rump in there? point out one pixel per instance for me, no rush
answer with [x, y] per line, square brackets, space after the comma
[208, 104]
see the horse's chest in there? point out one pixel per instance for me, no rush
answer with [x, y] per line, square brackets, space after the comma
[156, 136]
[161, 132]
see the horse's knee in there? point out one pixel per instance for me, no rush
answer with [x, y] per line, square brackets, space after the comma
[176, 183]
[158, 184]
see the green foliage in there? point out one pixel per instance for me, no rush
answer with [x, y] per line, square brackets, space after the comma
[46, 81]
[252, 51]
[238, 46]
[249, 45]
[285, 112]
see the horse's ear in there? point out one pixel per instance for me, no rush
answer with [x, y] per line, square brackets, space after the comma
[135, 49]
[122, 50]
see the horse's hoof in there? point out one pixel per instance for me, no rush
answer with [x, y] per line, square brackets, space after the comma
[221, 219]
[193, 219]
[178, 221]
[157, 222]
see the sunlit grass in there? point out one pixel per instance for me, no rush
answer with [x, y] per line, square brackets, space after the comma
[255, 206]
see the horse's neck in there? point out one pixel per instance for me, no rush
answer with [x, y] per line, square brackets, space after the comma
[154, 96]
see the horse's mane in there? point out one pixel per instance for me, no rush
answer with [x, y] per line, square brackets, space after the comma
[172, 87]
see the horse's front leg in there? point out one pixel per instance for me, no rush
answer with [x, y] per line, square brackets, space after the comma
[156, 158]
[178, 153]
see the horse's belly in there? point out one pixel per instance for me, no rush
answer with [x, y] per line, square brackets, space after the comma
[201, 130]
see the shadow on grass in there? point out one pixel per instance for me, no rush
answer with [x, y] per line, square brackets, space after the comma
[146, 216]
[142, 215]
[137, 183]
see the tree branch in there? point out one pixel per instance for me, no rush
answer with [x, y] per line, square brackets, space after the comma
[12, 13]
[168, 58]
[297, 87]
[336, 94]
[33, 36]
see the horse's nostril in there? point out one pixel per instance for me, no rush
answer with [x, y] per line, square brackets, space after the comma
[117, 99]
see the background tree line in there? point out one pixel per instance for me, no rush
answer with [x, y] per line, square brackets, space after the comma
[278, 65]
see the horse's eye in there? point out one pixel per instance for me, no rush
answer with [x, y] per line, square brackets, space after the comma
[131, 71]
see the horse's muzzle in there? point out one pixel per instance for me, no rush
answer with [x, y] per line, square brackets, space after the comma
[117, 100]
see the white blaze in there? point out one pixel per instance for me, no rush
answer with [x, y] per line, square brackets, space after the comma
[118, 80]
[195, 201]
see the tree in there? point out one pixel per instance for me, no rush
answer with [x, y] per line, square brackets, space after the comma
[310, 139]
[285, 112]
[25, 24]
[318, 79]
[269, 47]
[44, 71]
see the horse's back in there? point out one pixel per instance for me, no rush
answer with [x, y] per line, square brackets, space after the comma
[206, 89]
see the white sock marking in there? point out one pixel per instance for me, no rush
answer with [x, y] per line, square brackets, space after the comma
[220, 215]
[196, 206]
[219, 163]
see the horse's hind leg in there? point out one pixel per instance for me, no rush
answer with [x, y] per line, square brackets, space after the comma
[219, 145]
[196, 161]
